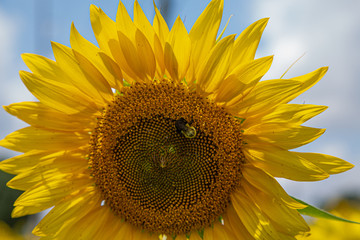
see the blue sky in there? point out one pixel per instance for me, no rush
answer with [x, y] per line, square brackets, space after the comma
[327, 31]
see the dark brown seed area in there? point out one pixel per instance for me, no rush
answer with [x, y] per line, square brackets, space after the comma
[154, 175]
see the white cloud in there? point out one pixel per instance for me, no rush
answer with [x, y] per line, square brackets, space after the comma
[7, 37]
[329, 33]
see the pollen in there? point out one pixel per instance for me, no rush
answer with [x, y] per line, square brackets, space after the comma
[166, 159]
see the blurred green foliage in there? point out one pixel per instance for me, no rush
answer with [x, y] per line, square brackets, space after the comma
[7, 199]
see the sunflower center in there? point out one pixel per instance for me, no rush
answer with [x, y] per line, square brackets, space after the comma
[166, 159]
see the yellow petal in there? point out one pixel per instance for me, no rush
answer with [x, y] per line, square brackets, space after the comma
[233, 223]
[43, 67]
[177, 51]
[89, 225]
[129, 71]
[160, 26]
[285, 135]
[112, 220]
[282, 163]
[213, 69]
[98, 84]
[208, 234]
[114, 69]
[31, 138]
[195, 236]
[159, 54]
[60, 163]
[146, 54]
[285, 236]
[105, 31]
[47, 69]
[52, 189]
[39, 115]
[330, 164]
[265, 96]
[23, 162]
[60, 96]
[91, 52]
[293, 113]
[83, 74]
[170, 62]
[124, 22]
[27, 180]
[267, 184]
[144, 235]
[48, 193]
[242, 79]
[204, 31]
[66, 212]
[253, 219]
[283, 218]
[126, 231]
[162, 31]
[26, 161]
[131, 58]
[20, 211]
[220, 232]
[143, 24]
[106, 34]
[131, 62]
[178, 237]
[223, 31]
[247, 43]
[307, 81]
[137, 61]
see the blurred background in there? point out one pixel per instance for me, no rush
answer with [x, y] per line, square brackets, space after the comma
[326, 31]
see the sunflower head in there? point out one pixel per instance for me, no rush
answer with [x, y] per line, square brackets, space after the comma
[153, 168]
[160, 131]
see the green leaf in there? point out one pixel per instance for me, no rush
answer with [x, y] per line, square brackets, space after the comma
[240, 119]
[318, 213]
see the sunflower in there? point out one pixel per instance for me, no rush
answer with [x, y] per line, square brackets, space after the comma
[161, 132]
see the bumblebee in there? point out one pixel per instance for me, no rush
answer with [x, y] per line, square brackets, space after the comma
[183, 127]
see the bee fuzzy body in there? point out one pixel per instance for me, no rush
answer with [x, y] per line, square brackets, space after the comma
[182, 126]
